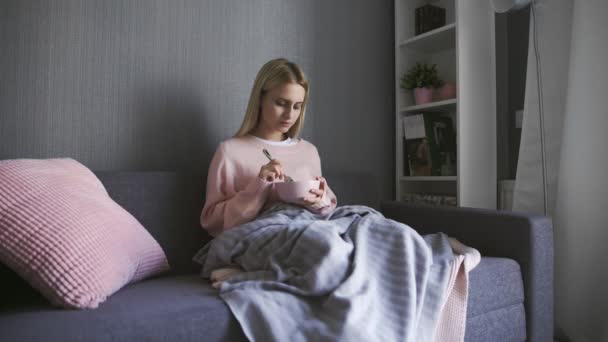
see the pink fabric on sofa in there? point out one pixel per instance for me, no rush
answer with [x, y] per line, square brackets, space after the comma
[63, 234]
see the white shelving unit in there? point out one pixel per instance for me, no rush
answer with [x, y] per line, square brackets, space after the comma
[433, 41]
[437, 106]
[457, 48]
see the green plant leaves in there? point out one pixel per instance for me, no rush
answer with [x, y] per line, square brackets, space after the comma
[420, 76]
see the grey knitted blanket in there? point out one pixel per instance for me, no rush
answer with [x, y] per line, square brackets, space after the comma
[353, 275]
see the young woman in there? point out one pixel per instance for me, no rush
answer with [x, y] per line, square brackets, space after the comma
[240, 180]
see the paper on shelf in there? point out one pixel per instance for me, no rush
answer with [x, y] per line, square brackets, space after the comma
[413, 126]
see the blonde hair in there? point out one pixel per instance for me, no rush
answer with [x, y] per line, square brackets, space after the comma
[272, 74]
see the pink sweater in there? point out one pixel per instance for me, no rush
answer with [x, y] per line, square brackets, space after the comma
[235, 193]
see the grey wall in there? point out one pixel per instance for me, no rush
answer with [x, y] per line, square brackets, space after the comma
[580, 214]
[156, 85]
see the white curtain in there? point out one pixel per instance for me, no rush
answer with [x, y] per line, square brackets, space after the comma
[551, 44]
[573, 49]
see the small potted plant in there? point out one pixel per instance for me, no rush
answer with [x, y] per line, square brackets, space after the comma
[422, 78]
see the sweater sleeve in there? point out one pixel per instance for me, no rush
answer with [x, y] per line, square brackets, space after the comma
[225, 207]
[329, 200]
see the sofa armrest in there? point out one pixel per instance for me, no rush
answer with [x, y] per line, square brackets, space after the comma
[527, 239]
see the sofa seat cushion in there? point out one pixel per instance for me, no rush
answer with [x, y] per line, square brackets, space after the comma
[495, 310]
[186, 308]
[494, 284]
[180, 308]
[505, 325]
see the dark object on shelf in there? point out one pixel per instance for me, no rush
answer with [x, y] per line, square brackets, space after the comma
[428, 18]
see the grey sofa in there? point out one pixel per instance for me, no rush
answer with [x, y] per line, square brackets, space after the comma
[510, 296]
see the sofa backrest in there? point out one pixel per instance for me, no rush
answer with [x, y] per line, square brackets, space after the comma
[169, 205]
[358, 188]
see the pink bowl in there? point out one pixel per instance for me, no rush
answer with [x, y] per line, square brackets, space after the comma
[292, 192]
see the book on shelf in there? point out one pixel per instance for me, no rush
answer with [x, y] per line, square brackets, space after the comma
[445, 139]
[429, 199]
[429, 145]
[428, 18]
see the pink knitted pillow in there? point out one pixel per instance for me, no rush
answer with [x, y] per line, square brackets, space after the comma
[61, 232]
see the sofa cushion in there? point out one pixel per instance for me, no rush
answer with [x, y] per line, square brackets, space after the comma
[188, 307]
[506, 324]
[177, 308]
[494, 284]
[63, 234]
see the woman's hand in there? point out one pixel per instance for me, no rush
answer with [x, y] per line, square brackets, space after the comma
[316, 194]
[271, 171]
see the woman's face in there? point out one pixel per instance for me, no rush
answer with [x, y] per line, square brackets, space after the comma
[281, 106]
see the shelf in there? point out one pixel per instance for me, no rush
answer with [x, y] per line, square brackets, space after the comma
[439, 39]
[438, 106]
[428, 178]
